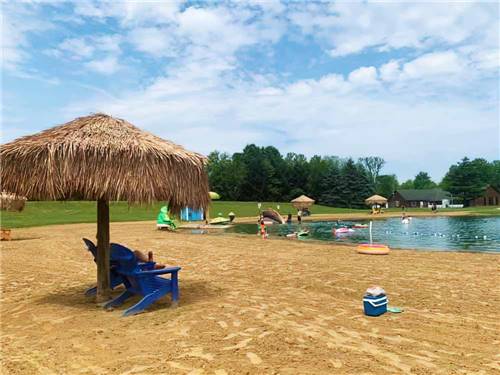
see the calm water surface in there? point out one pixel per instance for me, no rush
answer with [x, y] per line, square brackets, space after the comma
[436, 233]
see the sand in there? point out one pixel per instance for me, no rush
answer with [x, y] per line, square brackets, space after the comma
[248, 306]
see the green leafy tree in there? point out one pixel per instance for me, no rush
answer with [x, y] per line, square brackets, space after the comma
[297, 173]
[355, 185]
[467, 179]
[386, 185]
[331, 186]
[226, 175]
[495, 174]
[255, 183]
[408, 184]
[423, 181]
[373, 165]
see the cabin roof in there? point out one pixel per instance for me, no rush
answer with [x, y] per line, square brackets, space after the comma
[424, 194]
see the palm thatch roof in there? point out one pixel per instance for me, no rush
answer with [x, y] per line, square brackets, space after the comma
[376, 199]
[302, 202]
[102, 157]
[11, 202]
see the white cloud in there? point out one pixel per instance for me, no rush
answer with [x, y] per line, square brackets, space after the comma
[107, 43]
[488, 60]
[268, 6]
[107, 66]
[153, 40]
[19, 21]
[390, 71]
[433, 64]
[352, 27]
[330, 112]
[366, 75]
[210, 75]
[77, 48]
[216, 28]
[85, 47]
[301, 88]
[139, 12]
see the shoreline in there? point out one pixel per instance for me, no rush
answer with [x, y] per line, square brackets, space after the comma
[369, 216]
[354, 244]
[315, 217]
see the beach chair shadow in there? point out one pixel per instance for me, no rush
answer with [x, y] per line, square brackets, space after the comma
[193, 292]
[140, 282]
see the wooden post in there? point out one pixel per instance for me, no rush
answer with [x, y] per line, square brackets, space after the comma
[207, 215]
[103, 253]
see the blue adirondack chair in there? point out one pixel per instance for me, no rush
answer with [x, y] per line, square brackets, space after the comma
[115, 278]
[145, 283]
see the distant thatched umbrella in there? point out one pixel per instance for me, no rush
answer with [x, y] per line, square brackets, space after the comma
[102, 158]
[213, 195]
[375, 199]
[302, 202]
[11, 202]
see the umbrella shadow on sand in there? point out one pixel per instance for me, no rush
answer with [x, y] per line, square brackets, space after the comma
[191, 293]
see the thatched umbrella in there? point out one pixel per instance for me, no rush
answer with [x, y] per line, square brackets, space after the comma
[213, 195]
[102, 158]
[302, 202]
[11, 202]
[375, 199]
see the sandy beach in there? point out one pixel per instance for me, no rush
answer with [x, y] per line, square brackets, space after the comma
[247, 306]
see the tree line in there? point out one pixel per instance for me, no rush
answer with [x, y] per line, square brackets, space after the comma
[264, 174]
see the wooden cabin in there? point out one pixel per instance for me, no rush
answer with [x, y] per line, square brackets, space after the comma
[490, 197]
[419, 198]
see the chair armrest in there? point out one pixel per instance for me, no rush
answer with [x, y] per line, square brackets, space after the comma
[146, 266]
[162, 271]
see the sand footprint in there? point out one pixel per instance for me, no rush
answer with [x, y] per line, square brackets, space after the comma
[198, 353]
[336, 363]
[239, 345]
[222, 323]
[254, 358]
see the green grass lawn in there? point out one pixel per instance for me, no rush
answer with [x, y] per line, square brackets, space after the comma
[46, 213]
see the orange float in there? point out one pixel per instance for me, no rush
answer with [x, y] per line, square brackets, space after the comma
[373, 249]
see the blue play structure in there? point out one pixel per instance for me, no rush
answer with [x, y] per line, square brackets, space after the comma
[139, 281]
[188, 214]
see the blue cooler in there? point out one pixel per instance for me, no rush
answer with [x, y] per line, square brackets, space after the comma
[375, 306]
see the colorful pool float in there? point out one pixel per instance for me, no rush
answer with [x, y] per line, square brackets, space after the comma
[360, 226]
[338, 231]
[373, 249]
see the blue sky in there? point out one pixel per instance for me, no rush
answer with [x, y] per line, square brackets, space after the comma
[415, 83]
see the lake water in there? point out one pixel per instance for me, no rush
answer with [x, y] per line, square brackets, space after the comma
[435, 233]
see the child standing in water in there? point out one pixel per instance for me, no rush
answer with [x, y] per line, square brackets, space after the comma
[263, 230]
